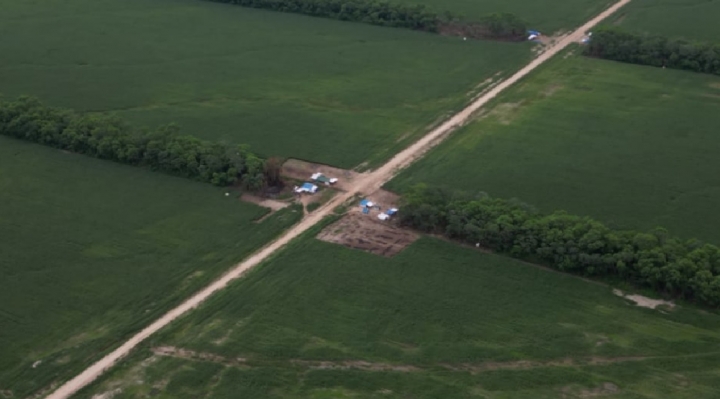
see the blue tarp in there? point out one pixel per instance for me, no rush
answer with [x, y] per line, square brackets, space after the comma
[534, 32]
[308, 186]
[364, 202]
[391, 212]
[366, 210]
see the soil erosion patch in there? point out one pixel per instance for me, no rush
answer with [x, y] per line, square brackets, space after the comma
[366, 233]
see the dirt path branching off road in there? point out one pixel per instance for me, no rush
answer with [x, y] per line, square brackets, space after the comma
[363, 184]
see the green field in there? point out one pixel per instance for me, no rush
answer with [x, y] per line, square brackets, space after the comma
[547, 16]
[289, 85]
[456, 323]
[690, 19]
[635, 147]
[92, 250]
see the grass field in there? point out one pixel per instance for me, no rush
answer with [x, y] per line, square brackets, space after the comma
[92, 250]
[546, 16]
[328, 91]
[436, 321]
[690, 19]
[635, 147]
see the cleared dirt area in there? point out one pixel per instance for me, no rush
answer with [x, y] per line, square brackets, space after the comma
[384, 198]
[643, 301]
[302, 170]
[367, 233]
[273, 205]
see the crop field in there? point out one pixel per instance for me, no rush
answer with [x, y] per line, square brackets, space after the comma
[634, 147]
[288, 85]
[690, 19]
[435, 321]
[92, 250]
[547, 16]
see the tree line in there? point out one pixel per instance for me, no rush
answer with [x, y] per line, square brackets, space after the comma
[109, 137]
[618, 45]
[686, 269]
[377, 12]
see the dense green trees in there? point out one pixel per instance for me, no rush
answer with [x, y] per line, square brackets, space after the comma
[618, 45]
[580, 245]
[383, 13]
[108, 137]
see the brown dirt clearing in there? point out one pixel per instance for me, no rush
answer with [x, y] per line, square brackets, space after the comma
[302, 170]
[368, 233]
[273, 205]
[644, 301]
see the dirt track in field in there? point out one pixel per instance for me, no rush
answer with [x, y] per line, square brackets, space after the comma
[364, 184]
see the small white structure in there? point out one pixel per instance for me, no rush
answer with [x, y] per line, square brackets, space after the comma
[383, 216]
[319, 177]
[306, 188]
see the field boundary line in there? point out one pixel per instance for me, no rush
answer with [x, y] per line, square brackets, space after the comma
[366, 183]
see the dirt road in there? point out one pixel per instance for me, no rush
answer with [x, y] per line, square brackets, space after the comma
[366, 183]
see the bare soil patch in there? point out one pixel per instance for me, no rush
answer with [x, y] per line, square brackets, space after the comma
[644, 301]
[368, 233]
[302, 170]
[108, 395]
[528, 364]
[273, 205]
[606, 389]
[171, 351]
[356, 365]
[384, 198]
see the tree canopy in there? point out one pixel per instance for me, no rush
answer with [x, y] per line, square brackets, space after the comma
[676, 268]
[109, 137]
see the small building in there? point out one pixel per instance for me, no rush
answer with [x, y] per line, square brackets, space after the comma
[366, 203]
[383, 216]
[306, 188]
[321, 178]
[392, 211]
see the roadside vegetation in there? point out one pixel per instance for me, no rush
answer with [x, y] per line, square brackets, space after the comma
[93, 250]
[631, 146]
[286, 85]
[110, 138]
[674, 268]
[436, 321]
[549, 16]
[655, 50]
[500, 26]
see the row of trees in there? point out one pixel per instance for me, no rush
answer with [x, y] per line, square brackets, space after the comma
[676, 268]
[383, 13]
[108, 137]
[618, 45]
